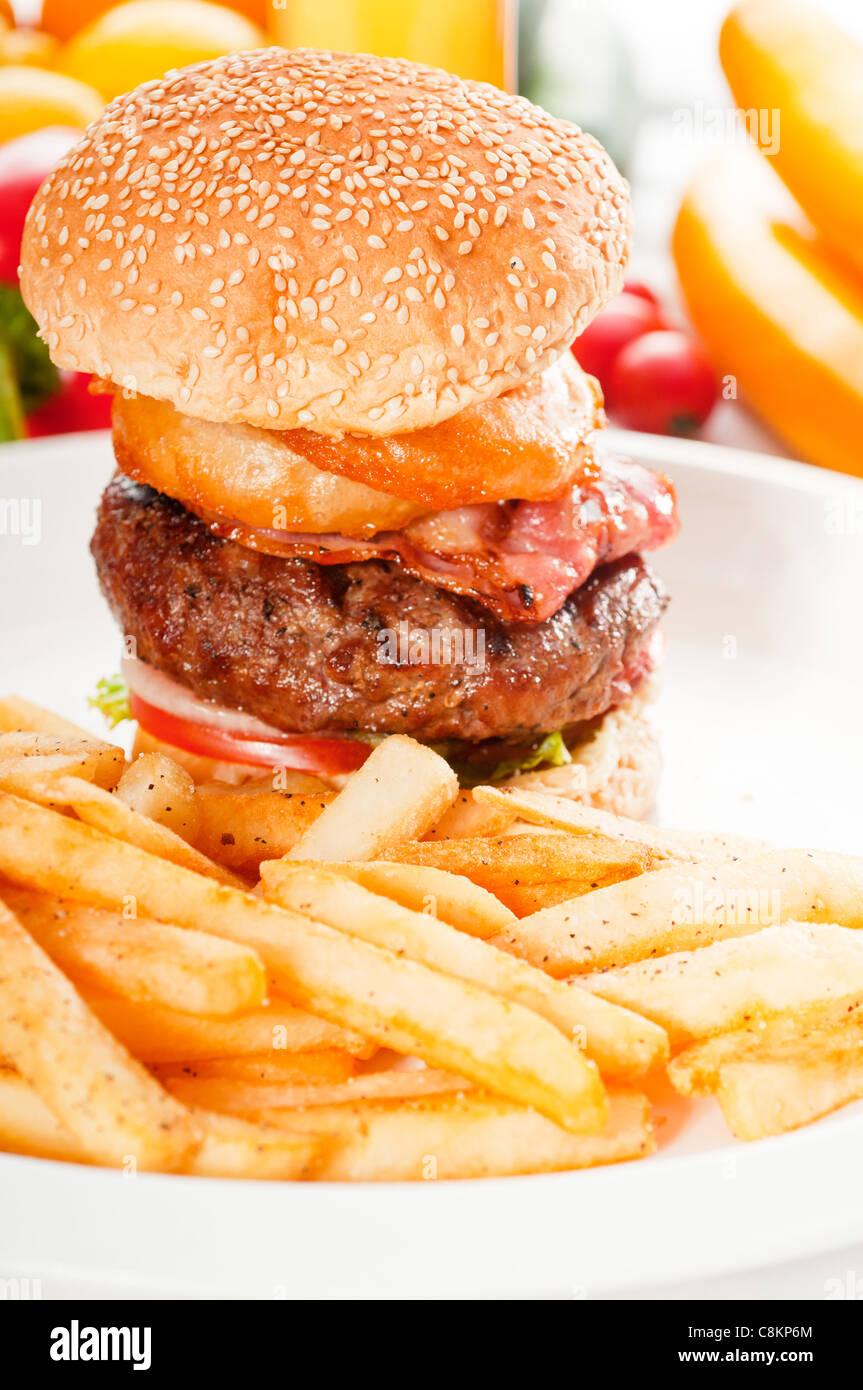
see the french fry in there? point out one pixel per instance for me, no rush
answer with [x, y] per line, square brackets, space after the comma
[31, 744]
[106, 1100]
[201, 769]
[467, 817]
[142, 960]
[545, 834]
[161, 790]
[447, 1022]
[422, 935]
[620, 1043]
[525, 899]
[792, 969]
[108, 812]
[27, 1126]
[401, 790]
[542, 808]
[29, 758]
[228, 1147]
[775, 1075]
[299, 1070]
[158, 1035]
[832, 1027]
[759, 1098]
[18, 714]
[533, 857]
[240, 826]
[450, 897]
[679, 908]
[462, 1137]
[226, 1096]
[506, 864]
[235, 1148]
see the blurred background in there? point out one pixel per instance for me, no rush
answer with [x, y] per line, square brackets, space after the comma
[742, 321]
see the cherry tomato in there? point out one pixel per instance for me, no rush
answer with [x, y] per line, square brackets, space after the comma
[643, 291]
[72, 408]
[322, 755]
[663, 383]
[625, 318]
[24, 164]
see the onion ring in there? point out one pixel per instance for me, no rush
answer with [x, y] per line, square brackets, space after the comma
[528, 444]
[245, 473]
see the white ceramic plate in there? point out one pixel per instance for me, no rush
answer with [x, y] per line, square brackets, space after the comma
[760, 720]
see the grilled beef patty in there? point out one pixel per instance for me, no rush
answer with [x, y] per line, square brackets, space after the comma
[312, 648]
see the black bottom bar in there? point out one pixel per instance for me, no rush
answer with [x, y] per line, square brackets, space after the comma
[91, 1338]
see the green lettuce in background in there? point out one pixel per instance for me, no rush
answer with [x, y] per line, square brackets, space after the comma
[27, 374]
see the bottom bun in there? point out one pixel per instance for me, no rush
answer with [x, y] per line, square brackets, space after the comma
[616, 769]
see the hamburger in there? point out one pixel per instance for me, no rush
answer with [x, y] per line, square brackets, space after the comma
[359, 488]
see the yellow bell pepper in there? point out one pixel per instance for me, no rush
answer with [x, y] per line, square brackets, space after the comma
[786, 56]
[33, 97]
[774, 308]
[142, 39]
[28, 48]
[64, 18]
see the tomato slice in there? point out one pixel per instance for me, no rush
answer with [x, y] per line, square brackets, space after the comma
[293, 751]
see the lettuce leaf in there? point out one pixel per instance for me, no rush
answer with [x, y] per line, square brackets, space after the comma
[552, 752]
[36, 375]
[11, 413]
[111, 698]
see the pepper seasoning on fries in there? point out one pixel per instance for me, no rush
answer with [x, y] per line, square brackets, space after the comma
[388, 997]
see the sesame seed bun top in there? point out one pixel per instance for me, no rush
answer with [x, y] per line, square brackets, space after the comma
[337, 242]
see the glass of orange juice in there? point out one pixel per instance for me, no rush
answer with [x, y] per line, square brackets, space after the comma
[472, 38]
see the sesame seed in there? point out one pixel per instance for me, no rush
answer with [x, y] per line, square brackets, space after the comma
[188, 194]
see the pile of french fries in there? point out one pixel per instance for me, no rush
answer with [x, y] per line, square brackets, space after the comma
[397, 980]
